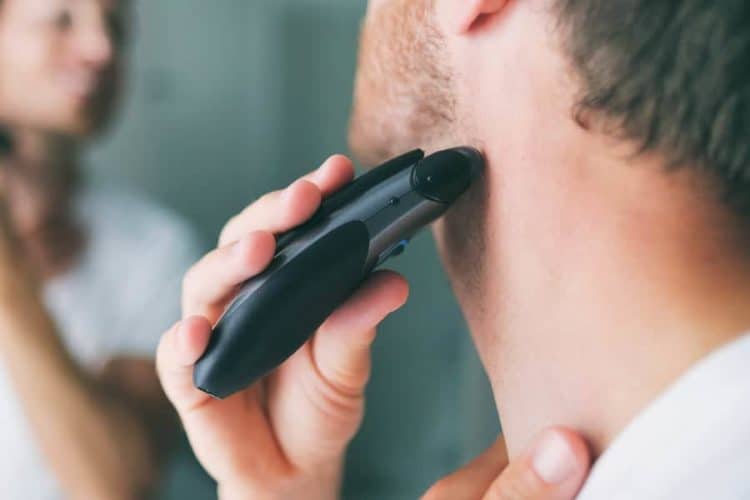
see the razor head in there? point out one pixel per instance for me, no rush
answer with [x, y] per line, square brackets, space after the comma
[446, 175]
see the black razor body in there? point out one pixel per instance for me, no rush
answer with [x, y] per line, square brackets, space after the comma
[320, 264]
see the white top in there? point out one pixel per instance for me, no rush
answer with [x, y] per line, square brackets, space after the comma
[693, 443]
[123, 294]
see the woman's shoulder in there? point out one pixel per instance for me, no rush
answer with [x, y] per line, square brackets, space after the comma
[126, 225]
[129, 274]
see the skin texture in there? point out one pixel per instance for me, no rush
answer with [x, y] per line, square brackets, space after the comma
[580, 266]
[402, 92]
[590, 277]
[60, 60]
[301, 418]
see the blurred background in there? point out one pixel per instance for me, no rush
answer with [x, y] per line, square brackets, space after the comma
[231, 98]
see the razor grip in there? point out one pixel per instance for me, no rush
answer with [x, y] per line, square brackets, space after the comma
[277, 312]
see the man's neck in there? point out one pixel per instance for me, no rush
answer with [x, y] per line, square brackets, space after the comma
[608, 298]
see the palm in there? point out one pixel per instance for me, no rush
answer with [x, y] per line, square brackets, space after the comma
[243, 430]
[293, 427]
[284, 418]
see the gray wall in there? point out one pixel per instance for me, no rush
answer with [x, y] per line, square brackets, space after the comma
[231, 98]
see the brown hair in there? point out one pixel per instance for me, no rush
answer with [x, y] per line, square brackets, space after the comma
[671, 75]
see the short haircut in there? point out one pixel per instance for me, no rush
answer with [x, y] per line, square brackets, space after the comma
[671, 75]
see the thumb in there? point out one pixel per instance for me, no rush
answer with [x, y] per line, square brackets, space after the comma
[554, 469]
[316, 399]
[342, 345]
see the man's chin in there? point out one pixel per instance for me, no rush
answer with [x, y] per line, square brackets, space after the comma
[366, 150]
[373, 141]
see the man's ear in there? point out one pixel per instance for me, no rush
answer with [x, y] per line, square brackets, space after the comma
[465, 14]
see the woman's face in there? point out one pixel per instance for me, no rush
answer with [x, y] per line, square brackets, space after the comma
[60, 63]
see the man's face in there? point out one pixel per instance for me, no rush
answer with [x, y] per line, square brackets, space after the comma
[60, 63]
[405, 98]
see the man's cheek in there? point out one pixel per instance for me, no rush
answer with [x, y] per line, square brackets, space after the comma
[374, 4]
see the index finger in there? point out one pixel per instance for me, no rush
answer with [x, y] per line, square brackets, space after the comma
[283, 210]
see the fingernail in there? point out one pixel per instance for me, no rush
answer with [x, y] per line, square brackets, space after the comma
[553, 459]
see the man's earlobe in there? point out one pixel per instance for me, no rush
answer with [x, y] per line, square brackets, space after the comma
[467, 13]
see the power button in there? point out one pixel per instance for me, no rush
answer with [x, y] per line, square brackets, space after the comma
[394, 251]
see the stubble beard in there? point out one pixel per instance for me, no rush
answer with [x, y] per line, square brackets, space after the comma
[404, 93]
[406, 98]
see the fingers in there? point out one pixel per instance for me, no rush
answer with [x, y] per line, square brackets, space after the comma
[179, 349]
[554, 469]
[472, 481]
[318, 398]
[341, 348]
[247, 244]
[335, 173]
[276, 212]
[283, 210]
[214, 279]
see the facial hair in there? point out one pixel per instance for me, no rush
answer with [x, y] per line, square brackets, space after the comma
[404, 97]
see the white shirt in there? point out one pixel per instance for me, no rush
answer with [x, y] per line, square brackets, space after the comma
[118, 300]
[693, 443]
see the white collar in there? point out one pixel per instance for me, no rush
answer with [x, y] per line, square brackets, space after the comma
[693, 442]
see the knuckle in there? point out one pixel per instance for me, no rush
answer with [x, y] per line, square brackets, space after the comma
[226, 231]
[161, 350]
[268, 201]
[347, 382]
[516, 484]
[330, 399]
[188, 279]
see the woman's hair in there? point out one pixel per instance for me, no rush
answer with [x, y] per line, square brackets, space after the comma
[6, 142]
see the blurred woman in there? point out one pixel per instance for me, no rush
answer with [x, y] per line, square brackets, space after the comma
[88, 274]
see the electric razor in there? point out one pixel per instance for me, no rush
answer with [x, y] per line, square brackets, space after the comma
[318, 265]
